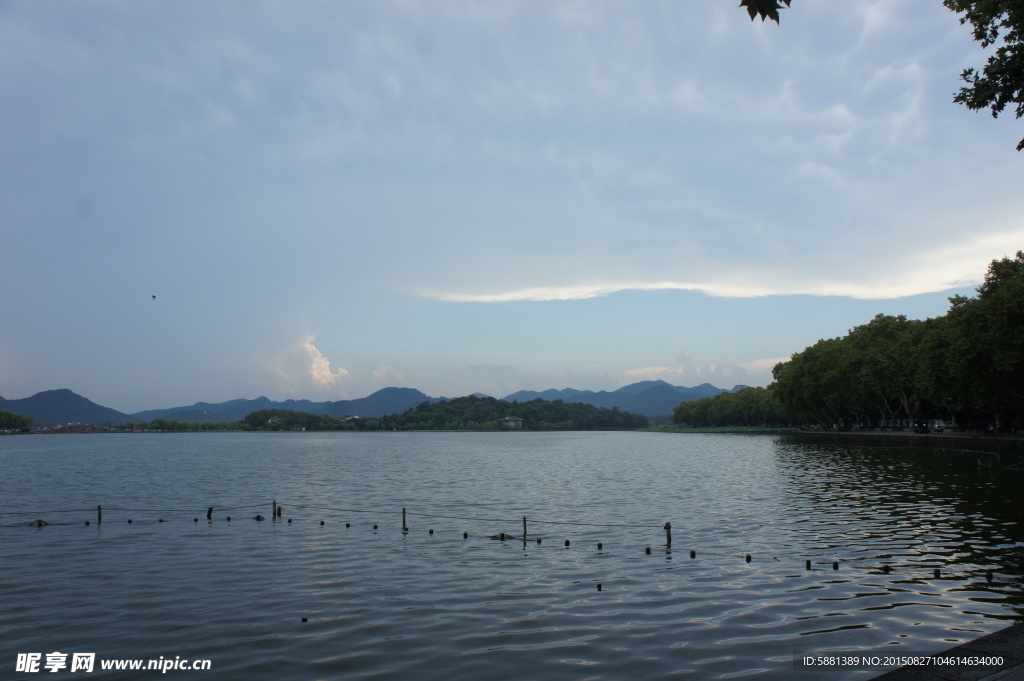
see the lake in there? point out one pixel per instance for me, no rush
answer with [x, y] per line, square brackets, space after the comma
[384, 604]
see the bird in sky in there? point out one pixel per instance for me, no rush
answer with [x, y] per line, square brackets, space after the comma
[154, 297]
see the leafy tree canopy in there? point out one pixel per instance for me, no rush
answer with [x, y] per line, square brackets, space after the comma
[766, 9]
[1000, 83]
[11, 421]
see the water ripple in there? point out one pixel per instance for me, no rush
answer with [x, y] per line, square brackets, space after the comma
[382, 604]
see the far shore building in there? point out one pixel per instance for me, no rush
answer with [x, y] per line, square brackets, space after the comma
[513, 422]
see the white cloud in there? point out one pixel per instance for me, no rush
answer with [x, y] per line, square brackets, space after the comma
[302, 370]
[723, 374]
[490, 151]
[388, 377]
[654, 373]
[320, 367]
[756, 366]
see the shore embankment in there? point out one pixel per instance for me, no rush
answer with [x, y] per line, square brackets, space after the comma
[976, 440]
[964, 662]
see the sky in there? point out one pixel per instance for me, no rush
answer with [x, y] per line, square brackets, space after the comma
[329, 198]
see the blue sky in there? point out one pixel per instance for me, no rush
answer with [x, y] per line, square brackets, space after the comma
[328, 198]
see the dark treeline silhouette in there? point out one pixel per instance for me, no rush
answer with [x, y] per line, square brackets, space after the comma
[463, 413]
[966, 367]
[11, 421]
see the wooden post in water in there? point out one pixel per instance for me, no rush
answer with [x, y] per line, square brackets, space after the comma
[273, 510]
[524, 528]
[404, 527]
[209, 513]
[668, 534]
[99, 515]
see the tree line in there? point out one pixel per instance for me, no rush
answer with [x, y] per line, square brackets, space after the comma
[462, 413]
[966, 367]
[11, 421]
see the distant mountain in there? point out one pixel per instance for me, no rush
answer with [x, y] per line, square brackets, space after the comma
[650, 398]
[381, 403]
[58, 407]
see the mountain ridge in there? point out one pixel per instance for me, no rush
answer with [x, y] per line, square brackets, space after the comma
[62, 406]
[650, 398]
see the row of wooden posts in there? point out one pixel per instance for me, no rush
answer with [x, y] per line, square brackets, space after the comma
[276, 511]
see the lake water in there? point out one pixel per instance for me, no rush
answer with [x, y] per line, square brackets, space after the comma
[383, 604]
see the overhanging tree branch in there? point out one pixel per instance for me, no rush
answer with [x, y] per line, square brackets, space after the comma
[1000, 83]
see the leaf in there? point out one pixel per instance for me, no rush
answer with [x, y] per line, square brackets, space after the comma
[766, 9]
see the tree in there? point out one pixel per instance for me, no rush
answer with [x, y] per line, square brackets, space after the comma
[1001, 81]
[987, 331]
[11, 421]
[766, 9]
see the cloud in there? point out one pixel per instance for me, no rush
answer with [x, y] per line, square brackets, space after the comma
[749, 372]
[302, 369]
[492, 152]
[654, 373]
[932, 266]
[755, 366]
[320, 367]
[389, 376]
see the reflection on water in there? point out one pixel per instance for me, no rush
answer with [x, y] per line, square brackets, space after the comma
[384, 604]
